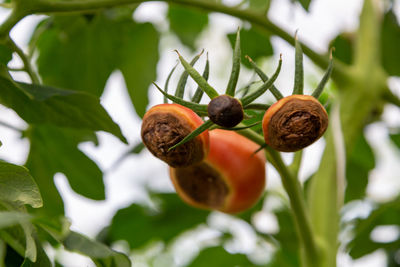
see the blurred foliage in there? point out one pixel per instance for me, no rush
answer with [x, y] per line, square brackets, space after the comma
[187, 24]
[343, 44]
[220, 257]
[90, 49]
[256, 45]
[75, 56]
[389, 42]
[360, 162]
[384, 214]
[139, 225]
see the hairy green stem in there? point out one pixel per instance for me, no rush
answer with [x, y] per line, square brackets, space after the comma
[293, 189]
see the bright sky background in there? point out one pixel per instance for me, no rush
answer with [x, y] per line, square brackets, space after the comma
[125, 182]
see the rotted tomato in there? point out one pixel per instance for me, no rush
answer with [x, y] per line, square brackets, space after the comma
[294, 122]
[231, 179]
[165, 125]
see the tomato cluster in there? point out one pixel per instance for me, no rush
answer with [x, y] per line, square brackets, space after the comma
[217, 169]
[212, 166]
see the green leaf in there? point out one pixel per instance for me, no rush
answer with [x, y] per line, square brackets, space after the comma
[255, 44]
[82, 46]
[20, 238]
[55, 150]
[304, 3]
[56, 106]
[17, 186]
[218, 256]
[384, 214]
[186, 23]
[42, 260]
[90, 49]
[12, 258]
[288, 249]
[360, 162]
[138, 60]
[390, 38]
[11, 218]
[395, 139]
[139, 225]
[98, 252]
[5, 54]
[260, 5]
[343, 44]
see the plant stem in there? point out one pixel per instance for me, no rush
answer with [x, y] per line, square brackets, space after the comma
[257, 19]
[5, 124]
[297, 202]
[12, 242]
[27, 64]
[391, 98]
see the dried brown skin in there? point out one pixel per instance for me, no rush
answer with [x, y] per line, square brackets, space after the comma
[296, 125]
[162, 130]
[203, 184]
[225, 111]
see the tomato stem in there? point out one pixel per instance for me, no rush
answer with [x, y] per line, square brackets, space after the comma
[293, 189]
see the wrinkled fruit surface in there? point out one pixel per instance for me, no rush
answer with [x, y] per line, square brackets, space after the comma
[167, 124]
[294, 122]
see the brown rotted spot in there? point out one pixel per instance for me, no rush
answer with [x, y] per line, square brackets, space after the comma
[225, 111]
[203, 184]
[162, 130]
[296, 125]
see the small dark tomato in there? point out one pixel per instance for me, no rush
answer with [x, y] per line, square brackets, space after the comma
[225, 111]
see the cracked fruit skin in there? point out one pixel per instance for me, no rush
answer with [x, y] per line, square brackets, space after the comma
[294, 122]
[231, 179]
[165, 125]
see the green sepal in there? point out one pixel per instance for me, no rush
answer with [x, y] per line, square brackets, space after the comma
[240, 127]
[317, 92]
[230, 89]
[199, 93]
[167, 82]
[298, 71]
[260, 148]
[180, 88]
[250, 98]
[193, 134]
[257, 106]
[246, 89]
[198, 108]
[277, 94]
[208, 89]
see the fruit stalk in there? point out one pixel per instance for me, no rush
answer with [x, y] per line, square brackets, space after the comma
[297, 202]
